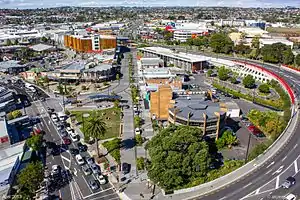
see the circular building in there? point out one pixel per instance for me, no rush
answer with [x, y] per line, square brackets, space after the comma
[208, 116]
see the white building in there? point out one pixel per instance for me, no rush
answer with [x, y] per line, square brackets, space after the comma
[264, 41]
[19, 36]
[183, 35]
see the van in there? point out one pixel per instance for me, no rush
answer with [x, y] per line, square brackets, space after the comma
[61, 116]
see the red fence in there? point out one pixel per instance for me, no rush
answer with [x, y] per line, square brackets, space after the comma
[270, 73]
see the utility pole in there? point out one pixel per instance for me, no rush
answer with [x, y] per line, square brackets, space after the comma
[248, 145]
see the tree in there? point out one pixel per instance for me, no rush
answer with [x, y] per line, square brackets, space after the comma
[30, 178]
[233, 80]
[60, 89]
[118, 77]
[223, 73]
[288, 57]
[255, 42]
[8, 42]
[297, 60]
[249, 81]
[16, 113]
[264, 88]
[178, 156]
[274, 53]
[242, 49]
[35, 142]
[137, 121]
[221, 43]
[95, 128]
[227, 139]
[210, 72]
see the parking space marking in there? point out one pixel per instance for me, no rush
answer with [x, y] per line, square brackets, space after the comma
[97, 193]
[296, 166]
[87, 184]
[277, 182]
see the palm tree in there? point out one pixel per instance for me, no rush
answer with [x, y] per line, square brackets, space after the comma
[95, 128]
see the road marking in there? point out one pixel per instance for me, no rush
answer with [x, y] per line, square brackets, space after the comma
[87, 184]
[272, 163]
[75, 171]
[278, 170]
[97, 198]
[277, 182]
[78, 189]
[296, 166]
[284, 158]
[72, 191]
[257, 191]
[269, 171]
[295, 146]
[97, 193]
[247, 185]
[65, 158]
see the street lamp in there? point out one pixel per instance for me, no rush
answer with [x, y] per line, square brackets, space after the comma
[249, 140]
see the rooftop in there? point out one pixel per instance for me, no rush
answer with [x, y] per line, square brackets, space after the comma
[150, 61]
[100, 67]
[173, 54]
[196, 106]
[9, 64]
[41, 47]
[76, 65]
[3, 130]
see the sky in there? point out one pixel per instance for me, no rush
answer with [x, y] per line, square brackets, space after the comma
[24, 4]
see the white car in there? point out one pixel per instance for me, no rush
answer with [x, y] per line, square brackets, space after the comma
[101, 179]
[137, 131]
[69, 130]
[54, 117]
[290, 197]
[79, 159]
[74, 136]
[55, 170]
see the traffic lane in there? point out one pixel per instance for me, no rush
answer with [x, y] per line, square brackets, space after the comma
[258, 178]
[108, 194]
[53, 103]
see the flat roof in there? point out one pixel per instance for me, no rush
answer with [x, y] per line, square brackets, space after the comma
[10, 64]
[100, 67]
[77, 65]
[170, 53]
[3, 130]
[41, 47]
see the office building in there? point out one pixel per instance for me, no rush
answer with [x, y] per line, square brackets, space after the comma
[160, 101]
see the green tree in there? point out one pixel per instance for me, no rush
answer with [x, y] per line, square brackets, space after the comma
[227, 139]
[242, 49]
[255, 42]
[221, 43]
[35, 142]
[288, 57]
[233, 80]
[16, 113]
[8, 42]
[210, 72]
[137, 121]
[30, 178]
[60, 89]
[264, 88]
[254, 53]
[179, 156]
[139, 139]
[297, 59]
[274, 53]
[140, 163]
[249, 81]
[223, 73]
[95, 128]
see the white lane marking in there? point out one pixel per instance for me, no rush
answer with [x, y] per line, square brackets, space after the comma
[296, 166]
[87, 184]
[257, 191]
[284, 158]
[278, 170]
[78, 188]
[65, 158]
[272, 163]
[72, 192]
[277, 182]
[75, 171]
[98, 198]
[97, 193]
[247, 185]
[295, 146]
[269, 171]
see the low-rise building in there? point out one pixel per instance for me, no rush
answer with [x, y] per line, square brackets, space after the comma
[188, 62]
[265, 41]
[12, 67]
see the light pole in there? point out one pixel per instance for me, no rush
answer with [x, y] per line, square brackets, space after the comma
[248, 145]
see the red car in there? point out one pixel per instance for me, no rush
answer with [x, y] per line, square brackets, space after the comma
[255, 131]
[66, 141]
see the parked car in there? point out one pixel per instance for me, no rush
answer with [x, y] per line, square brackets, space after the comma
[95, 168]
[63, 133]
[69, 130]
[79, 159]
[90, 161]
[125, 168]
[290, 197]
[101, 179]
[74, 151]
[93, 185]
[86, 170]
[66, 141]
[55, 150]
[55, 170]
[81, 147]
[289, 182]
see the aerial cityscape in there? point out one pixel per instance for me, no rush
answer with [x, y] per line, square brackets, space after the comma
[136, 100]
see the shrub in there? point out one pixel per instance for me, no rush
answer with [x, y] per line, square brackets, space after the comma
[140, 163]
[264, 88]
[138, 140]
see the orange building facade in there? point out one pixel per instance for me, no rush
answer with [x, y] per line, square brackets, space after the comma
[87, 44]
[160, 102]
